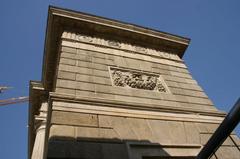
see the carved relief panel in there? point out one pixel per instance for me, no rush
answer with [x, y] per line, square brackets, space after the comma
[138, 80]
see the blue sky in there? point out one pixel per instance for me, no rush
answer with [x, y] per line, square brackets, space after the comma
[212, 57]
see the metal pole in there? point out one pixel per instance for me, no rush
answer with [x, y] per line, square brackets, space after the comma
[222, 132]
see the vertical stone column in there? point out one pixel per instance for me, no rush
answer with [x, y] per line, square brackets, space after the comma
[40, 129]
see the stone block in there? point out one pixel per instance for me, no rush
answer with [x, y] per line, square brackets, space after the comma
[62, 131]
[120, 61]
[211, 128]
[67, 68]
[109, 57]
[145, 94]
[190, 86]
[160, 71]
[69, 49]
[161, 131]
[183, 70]
[175, 69]
[133, 99]
[177, 132]
[181, 98]
[92, 65]
[99, 60]
[141, 129]
[192, 134]
[101, 73]
[86, 71]
[121, 127]
[197, 106]
[104, 121]
[95, 133]
[121, 91]
[132, 63]
[104, 95]
[84, 78]
[65, 91]
[146, 66]
[201, 127]
[108, 134]
[100, 66]
[67, 61]
[190, 81]
[101, 80]
[169, 97]
[102, 88]
[84, 64]
[204, 137]
[179, 91]
[99, 55]
[85, 86]
[179, 74]
[68, 55]
[179, 79]
[160, 66]
[84, 58]
[172, 84]
[204, 101]
[85, 93]
[164, 103]
[163, 72]
[66, 83]
[81, 52]
[87, 133]
[66, 75]
[156, 70]
[74, 118]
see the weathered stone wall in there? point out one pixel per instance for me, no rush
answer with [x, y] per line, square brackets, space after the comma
[84, 70]
[138, 123]
[174, 137]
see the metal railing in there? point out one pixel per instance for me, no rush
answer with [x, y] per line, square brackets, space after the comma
[223, 131]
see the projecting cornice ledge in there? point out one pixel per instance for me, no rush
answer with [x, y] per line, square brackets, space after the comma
[99, 26]
[96, 20]
[130, 105]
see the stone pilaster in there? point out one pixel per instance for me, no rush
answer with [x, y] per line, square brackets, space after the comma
[40, 129]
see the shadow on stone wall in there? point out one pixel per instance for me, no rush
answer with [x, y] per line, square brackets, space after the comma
[95, 148]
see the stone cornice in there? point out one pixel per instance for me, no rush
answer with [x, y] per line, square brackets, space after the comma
[131, 105]
[97, 20]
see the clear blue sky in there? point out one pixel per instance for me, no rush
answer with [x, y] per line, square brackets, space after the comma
[212, 57]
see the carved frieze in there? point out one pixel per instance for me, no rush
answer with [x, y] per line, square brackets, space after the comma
[84, 38]
[114, 44]
[139, 80]
[140, 49]
[123, 46]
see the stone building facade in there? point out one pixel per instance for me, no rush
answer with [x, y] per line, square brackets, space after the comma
[113, 90]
